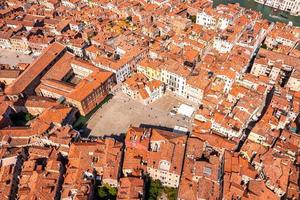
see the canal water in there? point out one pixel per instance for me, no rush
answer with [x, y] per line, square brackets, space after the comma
[267, 12]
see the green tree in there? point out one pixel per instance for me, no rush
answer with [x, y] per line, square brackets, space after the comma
[28, 117]
[193, 18]
[264, 46]
[112, 191]
[102, 193]
[171, 193]
[155, 189]
[129, 18]
[107, 192]
[21, 118]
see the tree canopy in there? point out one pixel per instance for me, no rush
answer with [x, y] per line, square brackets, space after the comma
[107, 192]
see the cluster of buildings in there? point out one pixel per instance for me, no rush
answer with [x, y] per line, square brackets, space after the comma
[139, 87]
[58, 74]
[290, 6]
[242, 72]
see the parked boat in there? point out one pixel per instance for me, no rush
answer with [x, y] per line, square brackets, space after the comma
[284, 16]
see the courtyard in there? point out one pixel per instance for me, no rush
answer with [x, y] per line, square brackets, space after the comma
[114, 117]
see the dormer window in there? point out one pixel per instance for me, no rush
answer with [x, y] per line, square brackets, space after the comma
[155, 146]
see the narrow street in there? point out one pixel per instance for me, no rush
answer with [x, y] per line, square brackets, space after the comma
[253, 123]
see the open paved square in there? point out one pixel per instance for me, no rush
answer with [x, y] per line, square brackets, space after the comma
[11, 57]
[114, 117]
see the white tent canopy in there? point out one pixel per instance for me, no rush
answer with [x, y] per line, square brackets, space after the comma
[186, 110]
[180, 130]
